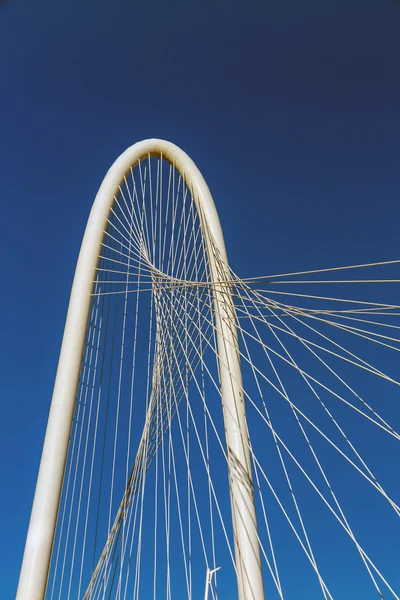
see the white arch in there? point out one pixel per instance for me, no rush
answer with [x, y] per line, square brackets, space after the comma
[37, 555]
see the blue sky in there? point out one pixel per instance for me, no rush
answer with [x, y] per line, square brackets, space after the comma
[290, 109]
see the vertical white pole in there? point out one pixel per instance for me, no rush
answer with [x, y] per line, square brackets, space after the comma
[209, 574]
[247, 550]
[244, 520]
[207, 584]
[42, 525]
[41, 531]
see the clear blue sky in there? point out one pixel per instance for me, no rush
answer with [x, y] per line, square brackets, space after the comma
[290, 109]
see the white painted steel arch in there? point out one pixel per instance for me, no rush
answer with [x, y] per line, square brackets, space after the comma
[35, 567]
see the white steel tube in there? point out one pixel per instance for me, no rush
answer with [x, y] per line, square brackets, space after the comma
[209, 575]
[41, 531]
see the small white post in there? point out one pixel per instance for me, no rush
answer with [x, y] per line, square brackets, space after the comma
[209, 574]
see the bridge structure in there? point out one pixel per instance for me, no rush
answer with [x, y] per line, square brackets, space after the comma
[212, 435]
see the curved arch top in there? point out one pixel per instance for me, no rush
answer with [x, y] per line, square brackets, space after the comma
[182, 162]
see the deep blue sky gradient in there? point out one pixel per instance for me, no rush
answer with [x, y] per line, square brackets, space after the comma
[290, 109]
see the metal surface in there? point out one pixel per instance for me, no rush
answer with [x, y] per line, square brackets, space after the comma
[209, 576]
[37, 556]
